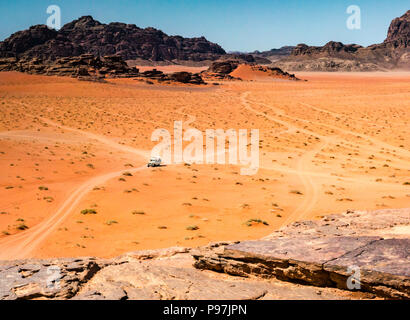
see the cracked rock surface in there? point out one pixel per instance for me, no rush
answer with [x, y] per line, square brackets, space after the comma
[326, 252]
[305, 260]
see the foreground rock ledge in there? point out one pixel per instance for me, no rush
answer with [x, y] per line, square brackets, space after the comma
[305, 260]
[323, 253]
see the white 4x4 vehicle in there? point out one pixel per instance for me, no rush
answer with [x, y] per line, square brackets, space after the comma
[154, 162]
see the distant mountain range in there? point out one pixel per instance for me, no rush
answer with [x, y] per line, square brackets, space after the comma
[138, 46]
[393, 53]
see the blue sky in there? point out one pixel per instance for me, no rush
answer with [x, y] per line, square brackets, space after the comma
[242, 25]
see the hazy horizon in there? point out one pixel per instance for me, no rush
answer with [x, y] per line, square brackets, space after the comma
[239, 25]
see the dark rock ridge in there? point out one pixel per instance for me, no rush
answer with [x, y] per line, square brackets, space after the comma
[182, 76]
[85, 65]
[398, 34]
[304, 260]
[88, 36]
[393, 53]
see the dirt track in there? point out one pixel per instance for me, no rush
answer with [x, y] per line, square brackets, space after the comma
[68, 146]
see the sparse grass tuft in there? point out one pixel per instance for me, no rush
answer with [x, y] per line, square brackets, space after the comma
[88, 211]
[22, 226]
[251, 222]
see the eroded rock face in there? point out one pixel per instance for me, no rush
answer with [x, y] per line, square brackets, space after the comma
[322, 252]
[84, 66]
[86, 35]
[47, 279]
[399, 31]
[222, 69]
[89, 67]
[305, 260]
[150, 274]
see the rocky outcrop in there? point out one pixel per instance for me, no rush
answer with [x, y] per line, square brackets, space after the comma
[51, 279]
[223, 69]
[393, 53]
[324, 253]
[182, 77]
[152, 274]
[84, 66]
[88, 67]
[305, 260]
[398, 34]
[326, 64]
[88, 36]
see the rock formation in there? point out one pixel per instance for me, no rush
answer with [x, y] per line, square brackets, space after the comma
[183, 77]
[88, 67]
[305, 260]
[223, 69]
[393, 53]
[88, 36]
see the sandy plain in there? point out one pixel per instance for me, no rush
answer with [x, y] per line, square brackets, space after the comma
[328, 144]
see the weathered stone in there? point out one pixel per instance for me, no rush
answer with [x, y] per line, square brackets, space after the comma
[290, 259]
[393, 53]
[290, 264]
[86, 35]
[38, 279]
[384, 267]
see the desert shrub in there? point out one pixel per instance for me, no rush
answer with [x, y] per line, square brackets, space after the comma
[250, 222]
[22, 226]
[88, 211]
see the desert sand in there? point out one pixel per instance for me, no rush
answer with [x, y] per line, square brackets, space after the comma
[73, 156]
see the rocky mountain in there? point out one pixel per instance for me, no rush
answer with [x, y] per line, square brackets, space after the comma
[398, 34]
[274, 54]
[393, 53]
[88, 36]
